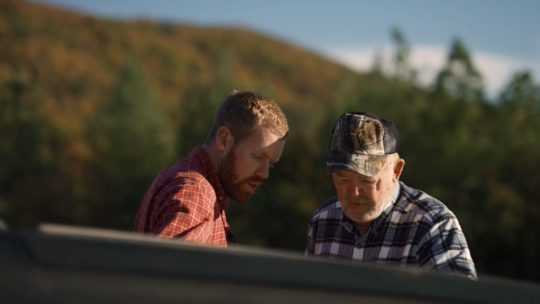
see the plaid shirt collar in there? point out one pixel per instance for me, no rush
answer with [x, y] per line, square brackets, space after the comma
[350, 226]
[211, 173]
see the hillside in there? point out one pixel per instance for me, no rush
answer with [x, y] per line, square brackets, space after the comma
[77, 57]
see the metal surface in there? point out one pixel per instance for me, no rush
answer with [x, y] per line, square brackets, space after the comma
[61, 264]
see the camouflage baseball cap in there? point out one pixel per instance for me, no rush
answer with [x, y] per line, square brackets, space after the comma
[361, 142]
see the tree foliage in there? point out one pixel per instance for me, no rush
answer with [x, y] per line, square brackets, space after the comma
[459, 78]
[131, 142]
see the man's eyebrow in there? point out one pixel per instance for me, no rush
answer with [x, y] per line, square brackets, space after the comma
[367, 178]
[263, 154]
[272, 161]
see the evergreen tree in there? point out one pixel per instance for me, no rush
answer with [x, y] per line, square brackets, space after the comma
[521, 91]
[459, 78]
[131, 142]
[377, 68]
[402, 68]
[27, 152]
[199, 104]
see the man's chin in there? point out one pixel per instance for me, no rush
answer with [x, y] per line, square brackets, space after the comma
[242, 193]
[241, 197]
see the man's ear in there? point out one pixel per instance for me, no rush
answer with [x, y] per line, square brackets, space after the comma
[398, 168]
[224, 139]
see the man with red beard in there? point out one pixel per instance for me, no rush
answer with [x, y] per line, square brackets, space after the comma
[188, 200]
[375, 217]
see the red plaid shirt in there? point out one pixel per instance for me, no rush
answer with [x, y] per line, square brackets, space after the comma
[186, 201]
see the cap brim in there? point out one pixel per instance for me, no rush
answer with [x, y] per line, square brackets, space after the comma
[368, 165]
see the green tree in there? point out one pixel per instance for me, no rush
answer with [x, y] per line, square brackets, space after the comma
[402, 68]
[519, 125]
[132, 142]
[459, 78]
[521, 91]
[27, 152]
[199, 104]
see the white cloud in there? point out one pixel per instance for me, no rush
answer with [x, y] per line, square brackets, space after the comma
[496, 70]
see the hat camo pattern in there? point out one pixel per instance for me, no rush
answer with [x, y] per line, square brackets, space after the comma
[360, 142]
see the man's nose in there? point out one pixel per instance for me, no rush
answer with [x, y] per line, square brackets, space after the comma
[354, 190]
[263, 171]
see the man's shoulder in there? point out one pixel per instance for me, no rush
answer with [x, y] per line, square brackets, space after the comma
[184, 176]
[330, 209]
[184, 171]
[192, 169]
[419, 204]
[194, 162]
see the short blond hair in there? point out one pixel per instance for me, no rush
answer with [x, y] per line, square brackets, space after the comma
[243, 111]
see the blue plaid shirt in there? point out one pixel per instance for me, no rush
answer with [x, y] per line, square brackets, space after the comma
[414, 229]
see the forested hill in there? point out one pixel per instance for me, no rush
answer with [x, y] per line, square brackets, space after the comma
[92, 108]
[74, 57]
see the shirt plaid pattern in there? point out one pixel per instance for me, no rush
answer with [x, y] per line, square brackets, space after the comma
[186, 201]
[414, 229]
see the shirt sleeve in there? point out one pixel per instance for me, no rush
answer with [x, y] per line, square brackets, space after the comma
[444, 248]
[185, 211]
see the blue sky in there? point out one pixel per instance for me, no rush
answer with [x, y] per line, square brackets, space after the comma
[503, 36]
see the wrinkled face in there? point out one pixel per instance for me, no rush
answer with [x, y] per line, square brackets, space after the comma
[363, 198]
[247, 164]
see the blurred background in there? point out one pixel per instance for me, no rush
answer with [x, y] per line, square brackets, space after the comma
[97, 96]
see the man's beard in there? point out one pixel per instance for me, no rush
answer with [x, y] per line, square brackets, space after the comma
[229, 179]
[373, 210]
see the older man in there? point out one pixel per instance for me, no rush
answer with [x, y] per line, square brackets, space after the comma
[375, 217]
